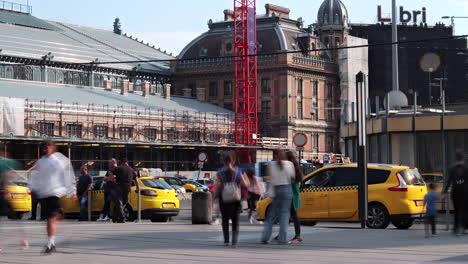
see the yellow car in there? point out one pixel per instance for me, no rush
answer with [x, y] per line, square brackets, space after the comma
[19, 197]
[396, 195]
[178, 182]
[159, 201]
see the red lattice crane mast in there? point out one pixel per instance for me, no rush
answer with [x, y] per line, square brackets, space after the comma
[245, 76]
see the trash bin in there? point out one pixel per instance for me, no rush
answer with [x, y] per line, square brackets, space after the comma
[202, 208]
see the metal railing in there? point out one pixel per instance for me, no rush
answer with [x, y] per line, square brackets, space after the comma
[6, 5]
[313, 60]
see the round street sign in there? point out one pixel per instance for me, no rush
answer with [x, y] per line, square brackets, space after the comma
[202, 157]
[300, 139]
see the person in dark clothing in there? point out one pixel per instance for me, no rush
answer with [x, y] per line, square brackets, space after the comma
[110, 187]
[458, 182]
[124, 175]
[230, 210]
[82, 190]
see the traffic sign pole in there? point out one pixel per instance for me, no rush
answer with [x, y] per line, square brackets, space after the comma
[300, 140]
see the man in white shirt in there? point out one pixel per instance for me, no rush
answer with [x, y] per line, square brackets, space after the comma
[52, 178]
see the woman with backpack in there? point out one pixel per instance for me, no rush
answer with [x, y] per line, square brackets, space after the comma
[228, 190]
[282, 173]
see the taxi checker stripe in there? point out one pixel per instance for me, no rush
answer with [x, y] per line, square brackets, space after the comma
[336, 188]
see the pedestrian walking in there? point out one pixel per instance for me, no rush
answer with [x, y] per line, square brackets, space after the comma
[296, 192]
[124, 176]
[458, 182]
[282, 173]
[256, 189]
[83, 187]
[430, 202]
[8, 177]
[52, 178]
[110, 188]
[228, 191]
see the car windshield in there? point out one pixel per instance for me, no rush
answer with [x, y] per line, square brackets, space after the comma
[412, 177]
[157, 184]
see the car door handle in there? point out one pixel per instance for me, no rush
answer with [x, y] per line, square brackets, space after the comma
[323, 195]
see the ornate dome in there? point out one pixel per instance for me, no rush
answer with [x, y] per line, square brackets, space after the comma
[332, 13]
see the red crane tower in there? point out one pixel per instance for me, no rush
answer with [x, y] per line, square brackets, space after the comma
[245, 76]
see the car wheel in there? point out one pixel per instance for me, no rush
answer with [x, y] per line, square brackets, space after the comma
[377, 217]
[403, 223]
[160, 219]
[308, 223]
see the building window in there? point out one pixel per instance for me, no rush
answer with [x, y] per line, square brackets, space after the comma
[74, 130]
[229, 106]
[150, 133]
[266, 86]
[299, 87]
[315, 88]
[329, 143]
[193, 90]
[330, 111]
[172, 134]
[126, 133]
[213, 89]
[315, 142]
[266, 110]
[299, 110]
[228, 88]
[329, 91]
[46, 128]
[100, 131]
[194, 135]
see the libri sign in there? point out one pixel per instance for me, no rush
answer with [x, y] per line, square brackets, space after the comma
[405, 16]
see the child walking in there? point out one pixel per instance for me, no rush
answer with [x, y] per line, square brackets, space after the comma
[430, 201]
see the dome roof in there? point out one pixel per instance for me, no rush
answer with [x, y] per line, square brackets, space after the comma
[332, 12]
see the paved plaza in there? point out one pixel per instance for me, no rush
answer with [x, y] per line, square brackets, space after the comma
[181, 242]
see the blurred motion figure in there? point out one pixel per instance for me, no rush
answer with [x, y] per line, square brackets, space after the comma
[52, 178]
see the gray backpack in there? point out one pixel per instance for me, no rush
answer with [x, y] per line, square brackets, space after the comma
[231, 191]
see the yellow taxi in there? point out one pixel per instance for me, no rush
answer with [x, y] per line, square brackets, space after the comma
[330, 194]
[189, 187]
[159, 201]
[19, 197]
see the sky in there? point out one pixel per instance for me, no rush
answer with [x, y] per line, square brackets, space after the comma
[171, 25]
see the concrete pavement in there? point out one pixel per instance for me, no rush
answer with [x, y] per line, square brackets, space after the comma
[181, 242]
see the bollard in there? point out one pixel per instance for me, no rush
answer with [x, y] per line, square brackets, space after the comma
[139, 206]
[202, 208]
[89, 205]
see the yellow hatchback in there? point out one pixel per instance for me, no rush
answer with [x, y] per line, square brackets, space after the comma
[396, 195]
[19, 197]
[159, 201]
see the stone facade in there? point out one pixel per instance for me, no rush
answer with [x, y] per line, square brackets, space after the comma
[297, 92]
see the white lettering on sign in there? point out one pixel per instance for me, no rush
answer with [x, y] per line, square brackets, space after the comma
[405, 16]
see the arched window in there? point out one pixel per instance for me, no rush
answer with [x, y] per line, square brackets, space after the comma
[84, 79]
[51, 76]
[60, 77]
[2, 71]
[98, 80]
[28, 73]
[36, 73]
[114, 82]
[76, 78]
[68, 78]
